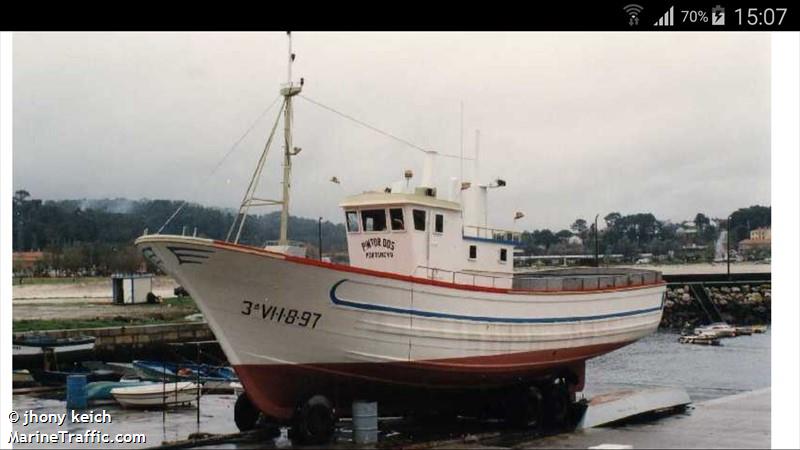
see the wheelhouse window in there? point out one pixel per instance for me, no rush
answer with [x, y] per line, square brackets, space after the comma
[503, 255]
[352, 221]
[473, 251]
[439, 225]
[419, 219]
[373, 219]
[396, 219]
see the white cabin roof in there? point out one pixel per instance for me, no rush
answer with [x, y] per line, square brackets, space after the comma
[388, 198]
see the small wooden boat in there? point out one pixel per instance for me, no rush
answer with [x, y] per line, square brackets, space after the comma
[28, 351]
[98, 391]
[759, 329]
[157, 395]
[59, 377]
[29, 345]
[699, 339]
[719, 329]
[22, 378]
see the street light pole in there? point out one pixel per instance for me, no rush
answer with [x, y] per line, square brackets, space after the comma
[729, 248]
[596, 243]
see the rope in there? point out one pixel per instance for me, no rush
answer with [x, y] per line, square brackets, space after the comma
[221, 161]
[376, 129]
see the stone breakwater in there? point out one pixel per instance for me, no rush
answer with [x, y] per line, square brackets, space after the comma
[745, 304]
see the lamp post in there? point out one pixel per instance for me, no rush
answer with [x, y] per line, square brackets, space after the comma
[728, 254]
[596, 242]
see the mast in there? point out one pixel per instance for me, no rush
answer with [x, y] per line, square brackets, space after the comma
[288, 91]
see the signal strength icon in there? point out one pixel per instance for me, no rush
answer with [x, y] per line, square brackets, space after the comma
[668, 19]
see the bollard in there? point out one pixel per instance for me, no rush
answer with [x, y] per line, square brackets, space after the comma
[76, 392]
[365, 422]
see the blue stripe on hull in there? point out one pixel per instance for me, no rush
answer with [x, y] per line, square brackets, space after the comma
[383, 308]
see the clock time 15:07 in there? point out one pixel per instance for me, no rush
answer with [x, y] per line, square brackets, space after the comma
[761, 16]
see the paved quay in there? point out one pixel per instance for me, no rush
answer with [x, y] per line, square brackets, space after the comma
[735, 421]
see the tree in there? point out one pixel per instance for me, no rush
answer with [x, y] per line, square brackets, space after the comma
[747, 219]
[564, 235]
[701, 221]
[580, 228]
[611, 219]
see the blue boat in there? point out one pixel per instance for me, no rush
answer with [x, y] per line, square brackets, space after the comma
[212, 377]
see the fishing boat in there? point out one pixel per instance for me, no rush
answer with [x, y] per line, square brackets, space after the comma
[157, 395]
[428, 305]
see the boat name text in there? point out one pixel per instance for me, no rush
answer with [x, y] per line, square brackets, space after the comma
[281, 314]
[372, 246]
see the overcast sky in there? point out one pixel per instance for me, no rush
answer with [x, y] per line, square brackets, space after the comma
[577, 123]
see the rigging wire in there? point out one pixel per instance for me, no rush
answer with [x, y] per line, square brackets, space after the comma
[378, 130]
[221, 161]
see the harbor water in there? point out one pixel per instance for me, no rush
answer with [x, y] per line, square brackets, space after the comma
[740, 365]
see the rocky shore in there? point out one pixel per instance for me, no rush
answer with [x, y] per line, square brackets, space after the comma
[747, 304]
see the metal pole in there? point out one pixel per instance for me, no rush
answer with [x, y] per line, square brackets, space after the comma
[596, 243]
[729, 247]
[287, 169]
[320, 238]
[197, 382]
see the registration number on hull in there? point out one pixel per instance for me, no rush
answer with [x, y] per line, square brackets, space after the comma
[281, 314]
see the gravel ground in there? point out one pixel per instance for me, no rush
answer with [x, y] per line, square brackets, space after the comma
[88, 300]
[90, 288]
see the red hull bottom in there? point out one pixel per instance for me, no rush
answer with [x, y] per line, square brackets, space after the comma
[277, 389]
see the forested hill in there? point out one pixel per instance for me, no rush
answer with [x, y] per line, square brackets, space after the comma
[49, 225]
[111, 225]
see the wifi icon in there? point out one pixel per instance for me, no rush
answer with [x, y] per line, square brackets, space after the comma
[633, 11]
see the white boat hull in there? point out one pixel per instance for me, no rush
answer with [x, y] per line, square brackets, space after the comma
[156, 395]
[293, 327]
[33, 350]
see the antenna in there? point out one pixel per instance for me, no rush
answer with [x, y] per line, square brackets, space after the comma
[461, 137]
[291, 58]
[475, 165]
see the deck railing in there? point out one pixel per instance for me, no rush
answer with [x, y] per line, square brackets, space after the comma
[459, 277]
[495, 234]
[589, 279]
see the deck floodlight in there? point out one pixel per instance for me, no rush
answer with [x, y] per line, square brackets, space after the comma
[408, 174]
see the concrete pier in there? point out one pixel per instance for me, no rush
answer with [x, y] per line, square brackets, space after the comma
[736, 421]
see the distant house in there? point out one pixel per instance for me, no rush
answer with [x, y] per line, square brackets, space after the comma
[760, 238]
[761, 234]
[25, 261]
[575, 240]
[687, 229]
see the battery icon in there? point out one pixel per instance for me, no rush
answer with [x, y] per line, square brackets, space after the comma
[718, 15]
